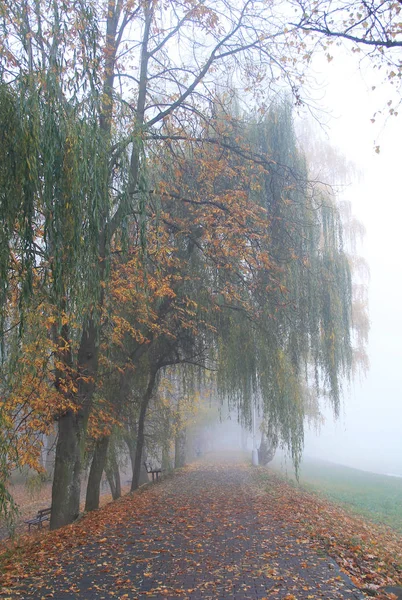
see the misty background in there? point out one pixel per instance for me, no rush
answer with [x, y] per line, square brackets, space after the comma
[368, 433]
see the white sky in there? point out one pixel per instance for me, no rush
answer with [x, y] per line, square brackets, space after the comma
[368, 433]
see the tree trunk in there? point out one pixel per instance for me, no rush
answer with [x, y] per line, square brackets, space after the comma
[144, 477]
[118, 483]
[72, 433]
[67, 471]
[99, 459]
[131, 444]
[140, 433]
[50, 453]
[110, 480]
[113, 477]
[166, 464]
[267, 449]
[139, 446]
[72, 428]
[244, 436]
[180, 449]
[179, 439]
[95, 474]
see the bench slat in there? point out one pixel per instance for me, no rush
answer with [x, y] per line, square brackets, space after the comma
[42, 515]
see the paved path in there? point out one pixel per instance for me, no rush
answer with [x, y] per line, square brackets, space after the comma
[205, 533]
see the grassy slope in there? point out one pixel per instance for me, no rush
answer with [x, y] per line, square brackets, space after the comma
[371, 554]
[378, 497]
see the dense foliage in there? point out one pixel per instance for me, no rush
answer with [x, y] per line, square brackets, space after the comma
[149, 222]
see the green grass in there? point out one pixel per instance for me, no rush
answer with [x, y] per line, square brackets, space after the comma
[375, 496]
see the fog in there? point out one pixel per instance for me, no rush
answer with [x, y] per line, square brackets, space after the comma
[368, 434]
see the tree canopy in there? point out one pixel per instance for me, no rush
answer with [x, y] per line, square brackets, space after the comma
[149, 221]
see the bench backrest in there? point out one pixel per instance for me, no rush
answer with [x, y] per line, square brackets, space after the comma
[149, 469]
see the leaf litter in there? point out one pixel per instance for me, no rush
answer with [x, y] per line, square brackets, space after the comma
[210, 531]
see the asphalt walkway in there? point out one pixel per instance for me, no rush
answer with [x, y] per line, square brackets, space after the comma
[205, 533]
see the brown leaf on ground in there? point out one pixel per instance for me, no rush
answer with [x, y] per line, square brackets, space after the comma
[210, 530]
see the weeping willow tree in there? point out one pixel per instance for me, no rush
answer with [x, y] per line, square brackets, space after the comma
[302, 337]
[57, 207]
[54, 208]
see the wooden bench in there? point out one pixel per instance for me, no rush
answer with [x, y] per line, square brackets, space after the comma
[42, 515]
[153, 472]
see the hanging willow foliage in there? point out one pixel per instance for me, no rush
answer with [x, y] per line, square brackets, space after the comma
[302, 336]
[53, 197]
[18, 190]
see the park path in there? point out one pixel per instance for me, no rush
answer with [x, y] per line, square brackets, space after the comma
[206, 532]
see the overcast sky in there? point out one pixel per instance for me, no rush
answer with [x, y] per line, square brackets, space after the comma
[368, 433]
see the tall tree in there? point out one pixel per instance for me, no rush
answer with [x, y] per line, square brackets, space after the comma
[91, 93]
[91, 85]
